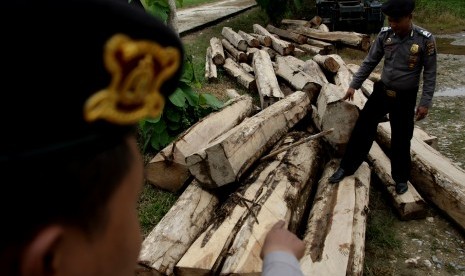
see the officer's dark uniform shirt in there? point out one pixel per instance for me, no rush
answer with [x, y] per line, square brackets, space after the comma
[404, 59]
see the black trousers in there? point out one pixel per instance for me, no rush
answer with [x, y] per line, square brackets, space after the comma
[401, 109]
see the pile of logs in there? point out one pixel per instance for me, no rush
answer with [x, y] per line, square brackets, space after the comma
[234, 190]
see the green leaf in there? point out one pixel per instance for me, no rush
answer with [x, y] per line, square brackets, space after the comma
[210, 100]
[179, 3]
[174, 126]
[191, 96]
[159, 10]
[155, 141]
[153, 120]
[159, 127]
[173, 115]
[164, 138]
[187, 71]
[178, 98]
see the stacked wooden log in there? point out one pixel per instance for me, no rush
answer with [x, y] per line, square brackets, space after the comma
[243, 169]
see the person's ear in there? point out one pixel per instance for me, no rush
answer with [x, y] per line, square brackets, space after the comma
[40, 256]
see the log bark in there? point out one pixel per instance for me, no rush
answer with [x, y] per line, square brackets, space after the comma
[210, 67]
[328, 63]
[323, 28]
[227, 158]
[421, 135]
[217, 51]
[336, 227]
[273, 191]
[294, 23]
[287, 34]
[329, 48]
[314, 50]
[237, 55]
[352, 39]
[435, 176]
[409, 205]
[309, 67]
[282, 47]
[271, 52]
[242, 77]
[263, 39]
[251, 41]
[289, 71]
[168, 169]
[337, 114]
[267, 83]
[234, 38]
[178, 229]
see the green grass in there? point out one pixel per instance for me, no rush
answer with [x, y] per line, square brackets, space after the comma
[192, 3]
[445, 16]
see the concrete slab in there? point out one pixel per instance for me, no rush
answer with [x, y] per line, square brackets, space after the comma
[192, 18]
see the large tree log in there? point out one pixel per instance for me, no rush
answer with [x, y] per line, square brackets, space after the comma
[294, 23]
[315, 22]
[343, 78]
[325, 45]
[353, 39]
[227, 158]
[263, 39]
[168, 169]
[237, 55]
[282, 47]
[275, 190]
[409, 205]
[244, 78]
[289, 71]
[210, 67]
[250, 52]
[251, 41]
[298, 53]
[178, 229]
[309, 67]
[247, 67]
[267, 83]
[335, 236]
[323, 28]
[287, 34]
[217, 51]
[234, 38]
[337, 114]
[271, 52]
[327, 63]
[313, 50]
[435, 176]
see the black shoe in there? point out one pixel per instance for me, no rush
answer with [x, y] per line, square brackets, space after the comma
[337, 176]
[401, 188]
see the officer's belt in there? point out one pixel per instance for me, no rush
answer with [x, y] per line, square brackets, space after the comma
[389, 92]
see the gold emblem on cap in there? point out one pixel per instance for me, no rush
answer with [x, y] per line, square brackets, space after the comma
[414, 48]
[138, 70]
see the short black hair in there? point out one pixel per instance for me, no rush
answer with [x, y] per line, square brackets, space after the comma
[398, 8]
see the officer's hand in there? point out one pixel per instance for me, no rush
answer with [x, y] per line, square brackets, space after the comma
[349, 94]
[281, 239]
[421, 113]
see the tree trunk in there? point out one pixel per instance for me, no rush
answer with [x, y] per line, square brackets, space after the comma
[315, 22]
[336, 227]
[289, 71]
[352, 39]
[271, 52]
[247, 68]
[337, 114]
[234, 38]
[435, 177]
[282, 47]
[273, 191]
[323, 28]
[168, 169]
[287, 34]
[327, 63]
[263, 39]
[251, 41]
[298, 53]
[173, 17]
[210, 67]
[237, 55]
[227, 158]
[328, 47]
[217, 51]
[267, 83]
[409, 205]
[294, 23]
[242, 77]
[313, 50]
[178, 229]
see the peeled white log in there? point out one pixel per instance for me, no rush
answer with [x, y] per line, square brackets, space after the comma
[237, 55]
[210, 67]
[314, 50]
[234, 38]
[178, 229]
[263, 39]
[353, 39]
[409, 205]
[246, 67]
[323, 28]
[226, 159]
[322, 44]
[435, 176]
[282, 47]
[251, 41]
[287, 34]
[328, 63]
[267, 83]
[244, 78]
[294, 23]
[168, 169]
[217, 51]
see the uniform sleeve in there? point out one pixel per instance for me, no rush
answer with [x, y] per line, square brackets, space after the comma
[281, 263]
[429, 72]
[375, 55]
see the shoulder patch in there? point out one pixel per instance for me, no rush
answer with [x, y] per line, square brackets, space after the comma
[385, 29]
[424, 33]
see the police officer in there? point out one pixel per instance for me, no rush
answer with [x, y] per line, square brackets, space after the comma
[407, 50]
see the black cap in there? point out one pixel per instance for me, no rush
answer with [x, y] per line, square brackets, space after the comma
[79, 73]
[398, 8]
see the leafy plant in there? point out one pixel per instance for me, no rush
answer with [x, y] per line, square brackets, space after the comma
[182, 109]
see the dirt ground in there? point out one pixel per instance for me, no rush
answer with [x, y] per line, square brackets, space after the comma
[435, 245]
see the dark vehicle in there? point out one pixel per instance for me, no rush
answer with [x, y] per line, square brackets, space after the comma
[352, 14]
